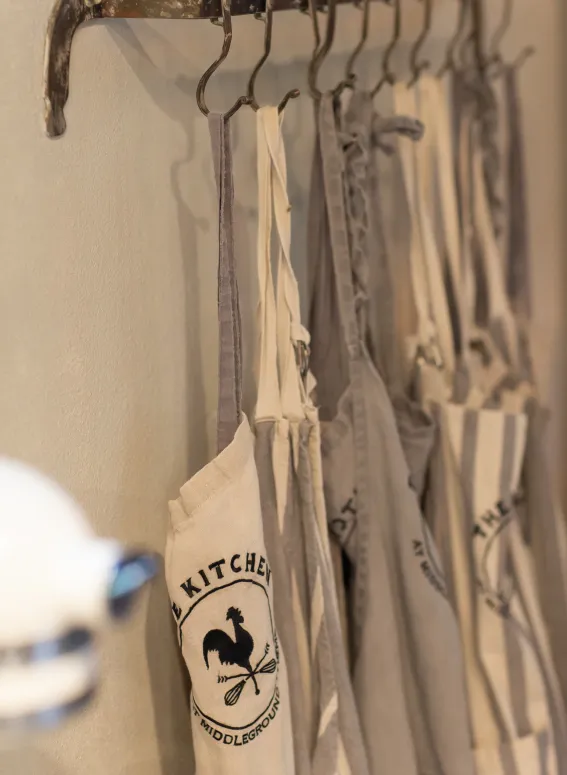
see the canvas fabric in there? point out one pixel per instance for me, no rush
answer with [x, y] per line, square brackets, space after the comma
[327, 734]
[541, 509]
[473, 494]
[218, 572]
[403, 633]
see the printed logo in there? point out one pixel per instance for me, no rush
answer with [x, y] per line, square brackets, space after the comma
[342, 527]
[425, 553]
[494, 582]
[237, 652]
[230, 645]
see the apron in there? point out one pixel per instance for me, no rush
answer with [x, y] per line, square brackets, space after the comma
[327, 734]
[471, 502]
[218, 572]
[543, 514]
[404, 638]
[366, 134]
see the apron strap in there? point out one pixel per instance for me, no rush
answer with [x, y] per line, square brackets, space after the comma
[499, 311]
[424, 155]
[293, 338]
[230, 337]
[427, 345]
[517, 269]
[284, 341]
[333, 169]
[438, 122]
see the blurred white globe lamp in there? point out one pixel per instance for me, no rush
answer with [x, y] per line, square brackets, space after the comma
[59, 586]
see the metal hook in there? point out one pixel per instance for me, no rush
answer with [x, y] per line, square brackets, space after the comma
[205, 78]
[450, 64]
[321, 51]
[523, 57]
[268, 20]
[478, 34]
[494, 54]
[388, 76]
[350, 76]
[418, 68]
[475, 39]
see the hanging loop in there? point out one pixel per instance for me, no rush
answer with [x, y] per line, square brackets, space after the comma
[268, 20]
[226, 24]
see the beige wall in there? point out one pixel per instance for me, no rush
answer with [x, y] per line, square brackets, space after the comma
[107, 300]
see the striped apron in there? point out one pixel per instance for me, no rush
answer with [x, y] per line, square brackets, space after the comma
[543, 515]
[475, 487]
[327, 735]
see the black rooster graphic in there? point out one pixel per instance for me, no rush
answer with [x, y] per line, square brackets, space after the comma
[231, 652]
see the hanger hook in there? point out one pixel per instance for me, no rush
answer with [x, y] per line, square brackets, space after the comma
[388, 76]
[417, 67]
[450, 64]
[350, 75]
[526, 53]
[268, 20]
[321, 51]
[478, 34]
[205, 78]
[494, 53]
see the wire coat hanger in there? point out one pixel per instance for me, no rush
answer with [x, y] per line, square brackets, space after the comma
[268, 22]
[388, 76]
[418, 68]
[226, 24]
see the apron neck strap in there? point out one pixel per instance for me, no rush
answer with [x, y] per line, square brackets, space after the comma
[230, 337]
[283, 341]
[333, 168]
[517, 264]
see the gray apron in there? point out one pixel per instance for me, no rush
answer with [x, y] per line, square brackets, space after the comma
[404, 638]
[368, 136]
[327, 735]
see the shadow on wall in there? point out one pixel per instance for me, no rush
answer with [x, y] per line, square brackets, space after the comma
[166, 99]
[170, 686]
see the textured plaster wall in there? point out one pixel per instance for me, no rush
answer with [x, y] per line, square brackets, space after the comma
[107, 298]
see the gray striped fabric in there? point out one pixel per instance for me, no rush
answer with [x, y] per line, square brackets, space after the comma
[408, 675]
[327, 735]
[324, 716]
[473, 501]
[543, 516]
[474, 489]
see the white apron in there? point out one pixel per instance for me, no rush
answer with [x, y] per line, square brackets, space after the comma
[218, 573]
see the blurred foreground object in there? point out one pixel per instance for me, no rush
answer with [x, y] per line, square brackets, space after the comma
[59, 585]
